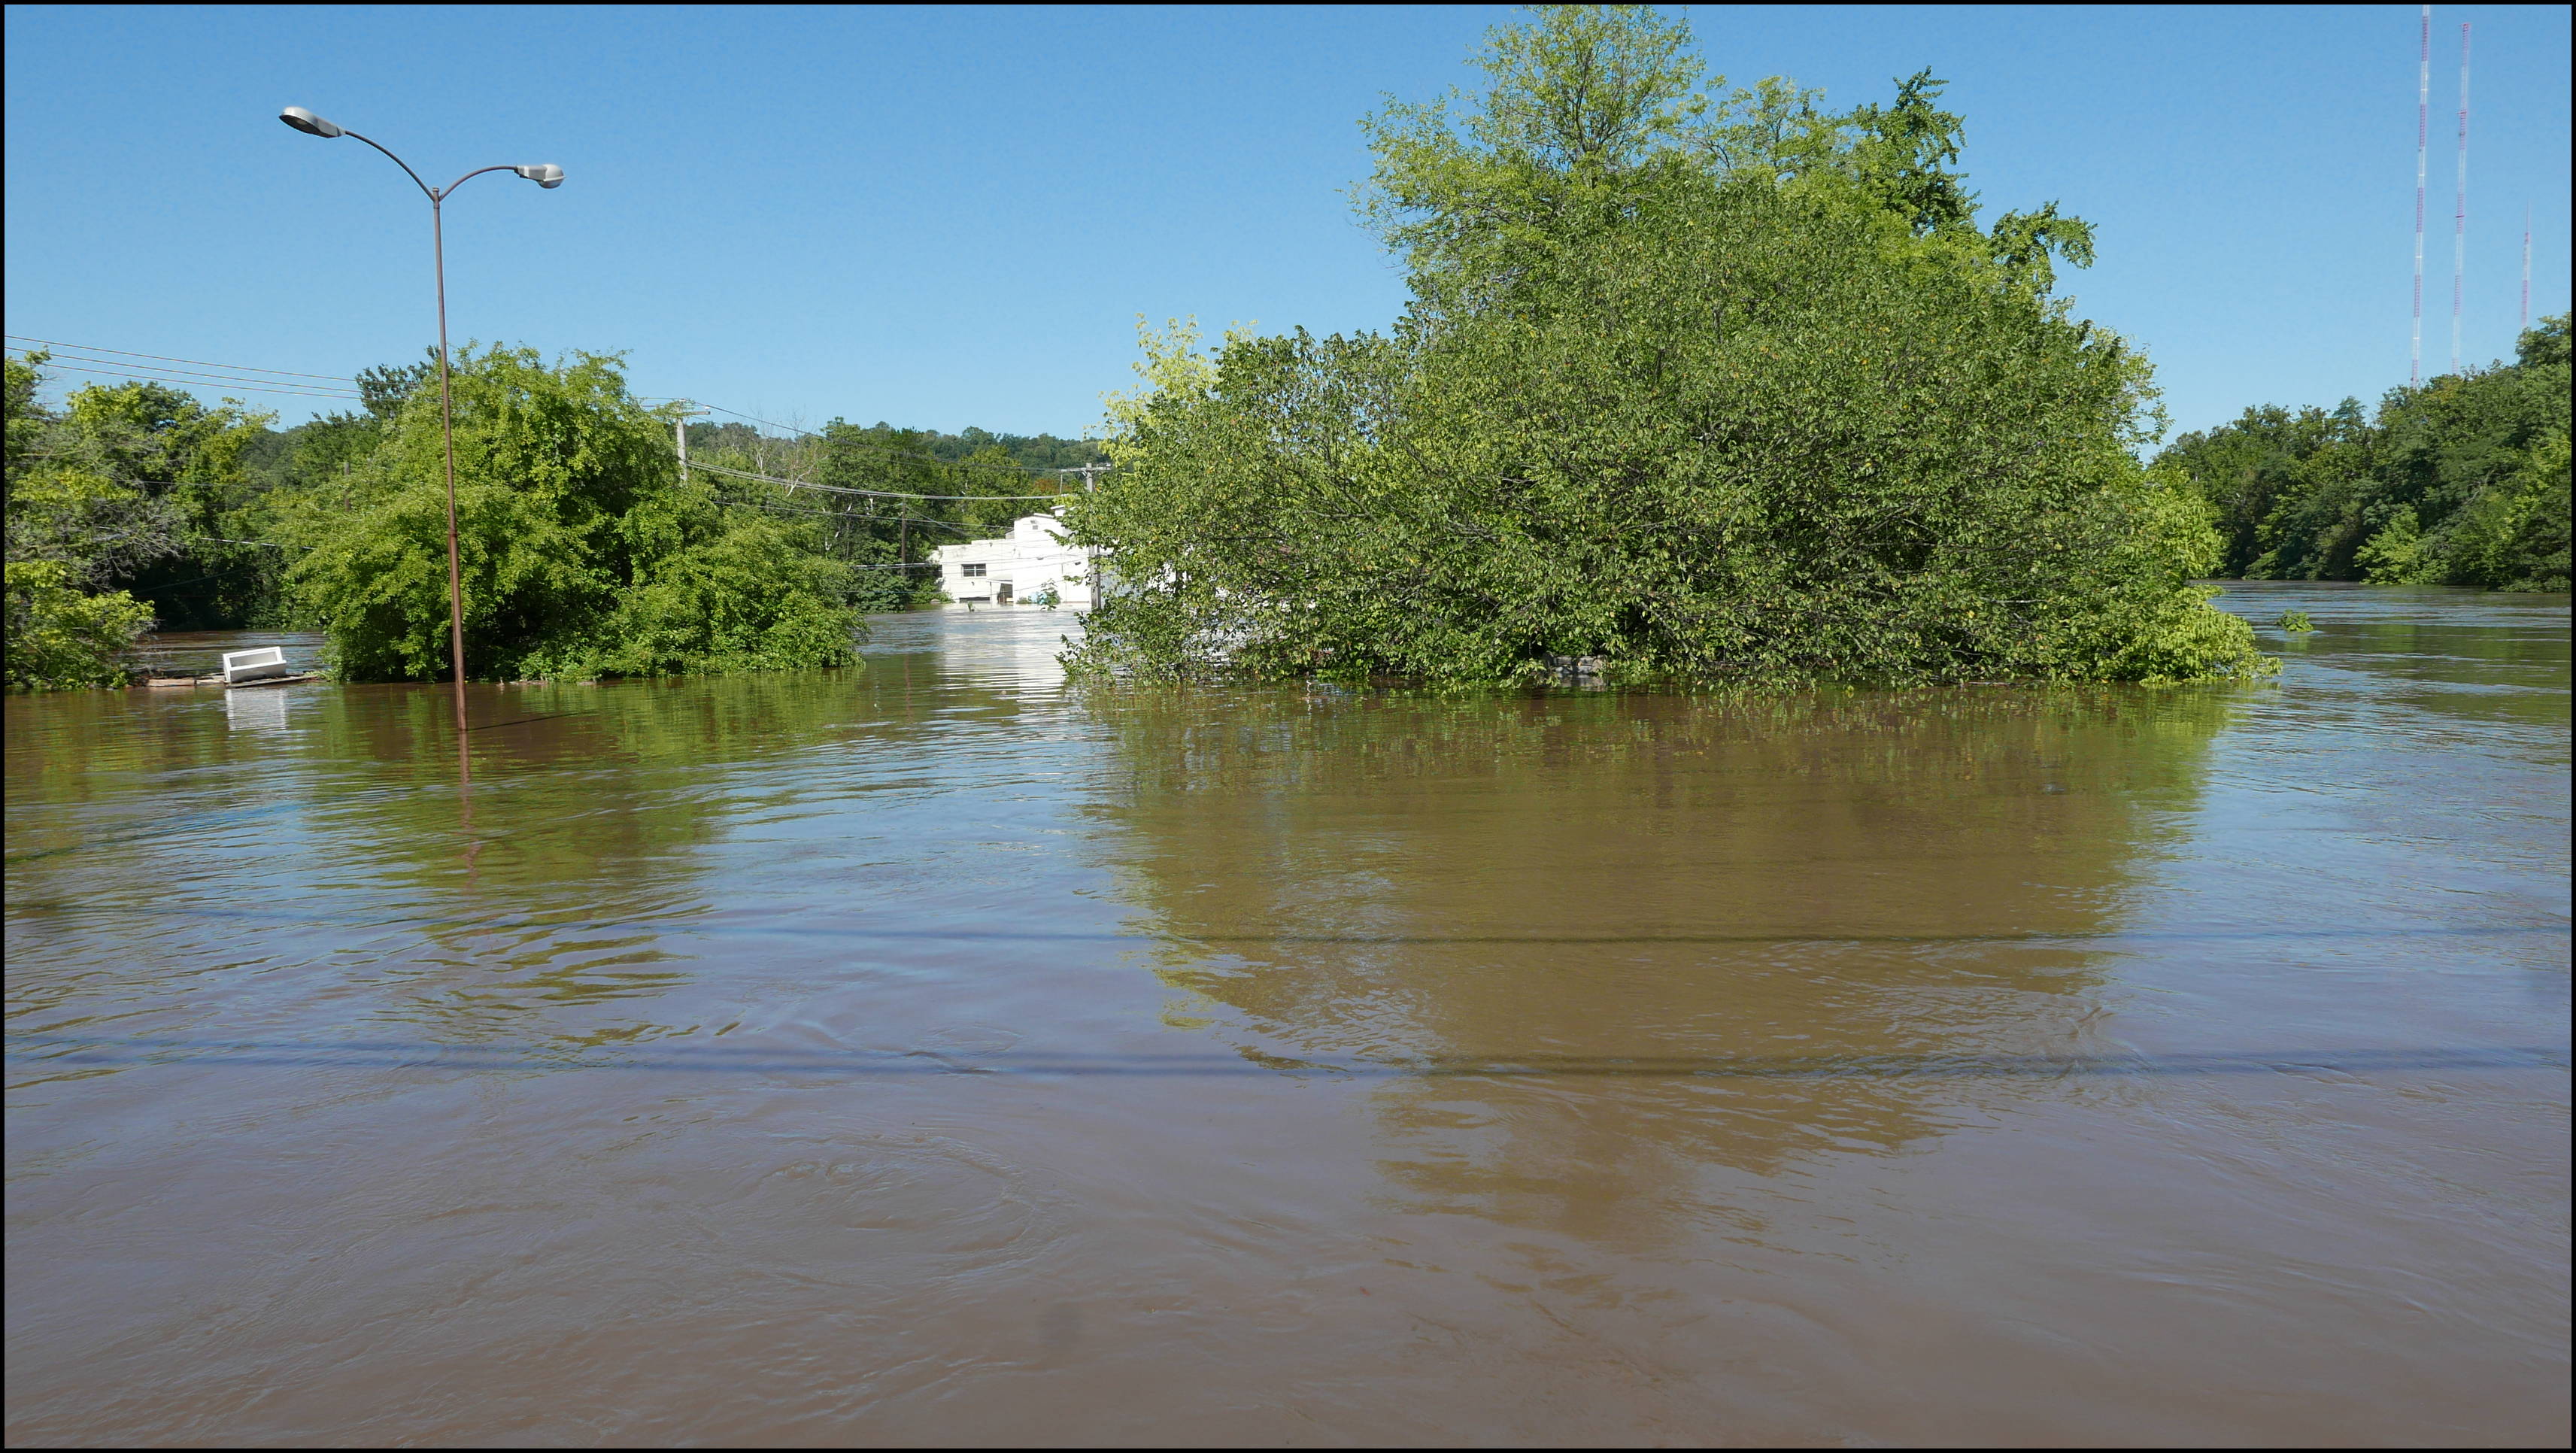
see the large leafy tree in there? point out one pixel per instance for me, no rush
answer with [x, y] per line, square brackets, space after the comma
[188, 459]
[1690, 389]
[125, 504]
[886, 536]
[583, 553]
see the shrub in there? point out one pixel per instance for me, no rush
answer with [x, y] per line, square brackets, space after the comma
[582, 552]
[1701, 405]
[61, 638]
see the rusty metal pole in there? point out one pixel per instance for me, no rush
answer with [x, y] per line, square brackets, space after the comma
[447, 431]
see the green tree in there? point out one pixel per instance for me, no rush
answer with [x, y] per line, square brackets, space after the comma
[1698, 392]
[945, 497]
[2461, 480]
[75, 528]
[139, 486]
[880, 536]
[2395, 553]
[61, 636]
[583, 554]
[190, 459]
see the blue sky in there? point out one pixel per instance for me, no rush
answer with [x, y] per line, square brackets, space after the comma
[944, 217]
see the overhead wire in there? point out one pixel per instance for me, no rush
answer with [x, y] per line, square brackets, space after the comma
[236, 385]
[951, 525]
[164, 358]
[868, 493]
[189, 378]
[192, 369]
[221, 387]
[888, 448]
[83, 363]
[234, 369]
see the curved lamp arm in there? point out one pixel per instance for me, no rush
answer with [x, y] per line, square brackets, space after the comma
[544, 174]
[442, 193]
[398, 161]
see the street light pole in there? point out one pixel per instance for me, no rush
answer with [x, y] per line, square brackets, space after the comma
[545, 175]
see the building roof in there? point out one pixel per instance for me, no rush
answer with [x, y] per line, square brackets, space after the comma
[1031, 536]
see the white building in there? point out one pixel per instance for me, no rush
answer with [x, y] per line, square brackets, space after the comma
[1032, 565]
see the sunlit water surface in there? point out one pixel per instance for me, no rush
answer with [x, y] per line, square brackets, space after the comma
[933, 1054]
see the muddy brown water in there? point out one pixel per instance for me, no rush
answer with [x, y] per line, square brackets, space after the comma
[929, 1054]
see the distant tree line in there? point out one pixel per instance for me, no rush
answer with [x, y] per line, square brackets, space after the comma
[1026, 451]
[134, 507]
[2461, 480]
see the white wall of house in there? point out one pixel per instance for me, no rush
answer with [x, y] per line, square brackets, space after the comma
[1020, 568]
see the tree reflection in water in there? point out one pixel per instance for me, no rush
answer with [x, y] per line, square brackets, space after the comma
[549, 906]
[1653, 895]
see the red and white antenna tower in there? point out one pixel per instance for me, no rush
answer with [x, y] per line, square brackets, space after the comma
[2460, 218]
[2423, 119]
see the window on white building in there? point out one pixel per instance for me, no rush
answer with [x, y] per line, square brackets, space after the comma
[971, 569]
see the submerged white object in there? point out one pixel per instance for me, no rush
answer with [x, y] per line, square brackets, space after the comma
[255, 665]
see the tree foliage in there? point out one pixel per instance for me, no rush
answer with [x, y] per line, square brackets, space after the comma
[188, 460]
[1697, 390]
[586, 554]
[122, 505]
[963, 487]
[61, 636]
[583, 554]
[2462, 480]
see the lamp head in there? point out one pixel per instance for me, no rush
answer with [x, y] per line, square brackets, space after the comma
[308, 123]
[545, 174]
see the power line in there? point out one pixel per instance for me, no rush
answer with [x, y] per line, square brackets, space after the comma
[184, 378]
[744, 504]
[83, 357]
[765, 423]
[187, 378]
[131, 374]
[867, 493]
[890, 449]
[189, 385]
[161, 358]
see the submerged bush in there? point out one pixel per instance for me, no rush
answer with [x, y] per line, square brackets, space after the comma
[583, 554]
[1711, 394]
[60, 637]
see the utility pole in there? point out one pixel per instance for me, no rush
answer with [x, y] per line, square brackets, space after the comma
[680, 431]
[1090, 558]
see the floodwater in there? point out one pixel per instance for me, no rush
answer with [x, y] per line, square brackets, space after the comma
[930, 1054]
